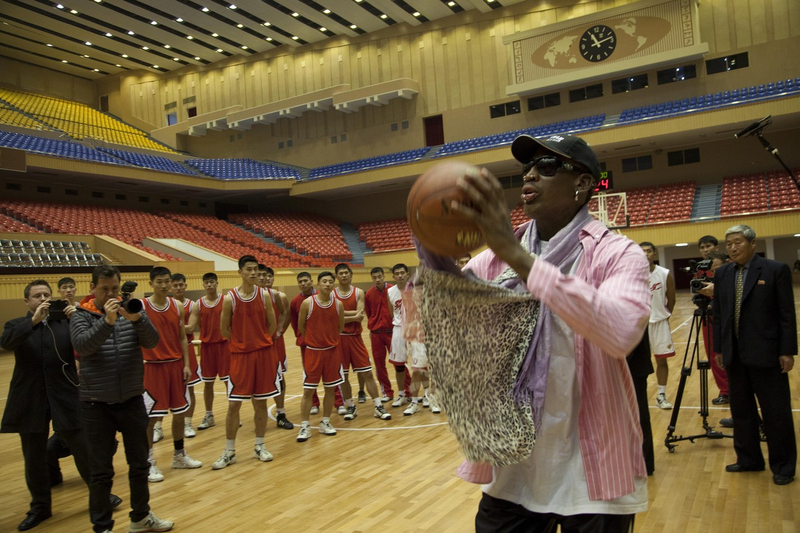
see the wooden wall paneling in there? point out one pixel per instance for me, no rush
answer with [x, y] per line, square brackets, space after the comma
[489, 63]
[759, 32]
[472, 44]
[741, 27]
[464, 82]
[794, 16]
[440, 68]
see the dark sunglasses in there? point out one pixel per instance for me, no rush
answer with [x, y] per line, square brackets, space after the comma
[549, 165]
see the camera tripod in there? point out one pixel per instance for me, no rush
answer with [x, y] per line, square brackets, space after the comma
[701, 317]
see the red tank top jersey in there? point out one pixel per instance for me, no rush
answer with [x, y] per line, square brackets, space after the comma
[168, 324]
[322, 324]
[273, 296]
[349, 303]
[188, 306]
[248, 322]
[209, 320]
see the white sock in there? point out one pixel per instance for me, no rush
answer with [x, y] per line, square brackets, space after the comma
[350, 403]
[150, 455]
[304, 423]
[280, 410]
[209, 413]
[662, 389]
[326, 419]
[259, 441]
[230, 444]
[415, 399]
[377, 402]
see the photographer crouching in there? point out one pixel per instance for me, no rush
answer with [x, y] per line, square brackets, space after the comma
[108, 334]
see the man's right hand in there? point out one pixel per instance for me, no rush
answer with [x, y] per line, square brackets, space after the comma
[707, 290]
[41, 312]
[111, 309]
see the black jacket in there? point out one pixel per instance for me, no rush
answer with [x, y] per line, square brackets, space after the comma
[767, 323]
[112, 369]
[44, 385]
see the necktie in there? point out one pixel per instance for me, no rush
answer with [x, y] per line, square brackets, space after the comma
[737, 304]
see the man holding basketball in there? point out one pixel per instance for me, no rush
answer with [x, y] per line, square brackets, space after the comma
[586, 471]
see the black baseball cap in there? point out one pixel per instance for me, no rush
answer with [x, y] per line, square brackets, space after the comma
[525, 148]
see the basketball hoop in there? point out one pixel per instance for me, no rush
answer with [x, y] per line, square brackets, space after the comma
[610, 208]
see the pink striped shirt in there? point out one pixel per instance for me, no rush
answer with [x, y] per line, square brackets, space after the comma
[607, 305]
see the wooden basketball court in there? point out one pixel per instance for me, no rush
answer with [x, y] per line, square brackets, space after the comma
[398, 475]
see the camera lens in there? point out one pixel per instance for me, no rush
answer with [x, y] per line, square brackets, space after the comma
[132, 305]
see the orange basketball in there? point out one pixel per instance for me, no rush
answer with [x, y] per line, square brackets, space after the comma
[433, 222]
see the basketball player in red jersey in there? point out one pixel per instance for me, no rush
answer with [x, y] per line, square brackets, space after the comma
[280, 305]
[166, 370]
[321, 321]
[306, 286]
[215, 353]
[351, 346]
[255, 369]
[190, 320]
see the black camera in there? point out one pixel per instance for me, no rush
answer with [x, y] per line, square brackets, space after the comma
[56, 310]
[702, 275]
[131, 305]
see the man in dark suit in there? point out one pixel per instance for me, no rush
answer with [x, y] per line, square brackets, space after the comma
[755, 332]
[640, 364]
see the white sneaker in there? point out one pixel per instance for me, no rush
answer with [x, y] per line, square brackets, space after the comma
[426, 402]
[228, 457]
[435, 409]
[325, 428]
[150, 523]
[385, 399]
[381, 413]
[261, 453]
[342, 410]
[350, 413]
[661, 401]
[208, 422]
[155, 474]
[188, 430]
[400, 400]
[182, 460]
[314, 410]
[158, 433]
[411, 409]
[305, 434]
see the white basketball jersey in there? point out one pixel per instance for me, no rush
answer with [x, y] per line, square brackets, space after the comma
[658, 289]
[396, 301]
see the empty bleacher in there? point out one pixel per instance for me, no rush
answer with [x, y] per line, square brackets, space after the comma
[382, 235]
[78, 120]
[26, 253]
[68, 149]
[368, 163]
[490, 141]
[314, 235]
[672, 203]
[706, 102]
[154, 162]
[242, 169]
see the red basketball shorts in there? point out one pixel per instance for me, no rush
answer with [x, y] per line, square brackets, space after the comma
[216, 360]
[164, 388]
[280, 347]
[255, 375]
[325, 365]
[194, 366]
[354, 353]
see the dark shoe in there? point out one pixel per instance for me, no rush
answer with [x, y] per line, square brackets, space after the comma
[736, 467]
[33, 520]
[115, 501]
[362, 398]
[780, 479]
[726, 422]
[722, 399]
[283, 422]
[55, 481]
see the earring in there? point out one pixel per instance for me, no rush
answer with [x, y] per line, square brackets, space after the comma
[577, 192]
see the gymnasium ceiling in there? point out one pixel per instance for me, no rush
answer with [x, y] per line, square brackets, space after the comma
[95, 38]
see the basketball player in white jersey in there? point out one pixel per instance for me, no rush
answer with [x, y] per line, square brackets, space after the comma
[662, 288]
[398, 356]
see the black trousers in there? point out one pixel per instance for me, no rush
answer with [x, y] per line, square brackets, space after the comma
[37, 475]
[101, 422]
[771, 387]
[501, 516]
[640, 387]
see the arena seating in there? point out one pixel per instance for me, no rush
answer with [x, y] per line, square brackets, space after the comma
[783, 194]
[19, 253]
[672, 203]
[753, 193]
[314, 235]
[78, 120]
[154, 162]
[368, 163]
[745, 95]
[223, 237]
[68, 149]
[11, 225]
[500, 139]
[15, 118]
[382, 235]
[242, 169]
